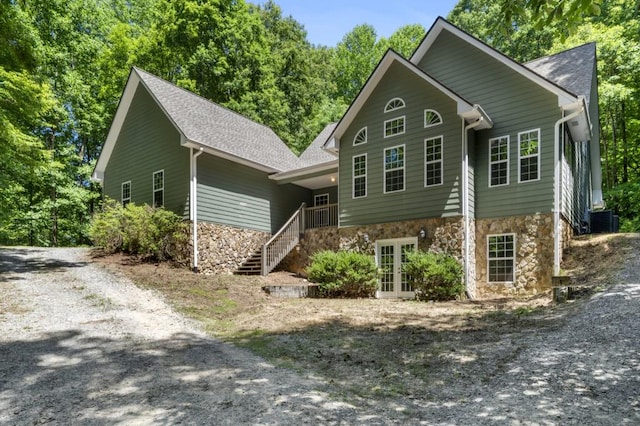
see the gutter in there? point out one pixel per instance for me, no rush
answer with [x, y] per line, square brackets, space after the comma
[465, 195]
[558, 186]
[193, 202]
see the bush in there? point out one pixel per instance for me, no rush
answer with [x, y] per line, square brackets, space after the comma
[343, 274]
[141, 230]
[434, 276]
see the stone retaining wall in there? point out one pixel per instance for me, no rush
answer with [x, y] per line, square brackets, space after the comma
[223, 248]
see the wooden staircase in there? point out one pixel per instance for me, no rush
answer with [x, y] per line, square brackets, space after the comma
[277, 248]
[251, 266]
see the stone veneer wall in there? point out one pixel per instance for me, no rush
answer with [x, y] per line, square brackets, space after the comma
[223, 248]
[442, 234]
[534, 253]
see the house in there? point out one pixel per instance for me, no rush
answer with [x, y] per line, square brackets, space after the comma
[458, 149]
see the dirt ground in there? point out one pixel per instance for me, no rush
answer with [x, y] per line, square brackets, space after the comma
[372, 348]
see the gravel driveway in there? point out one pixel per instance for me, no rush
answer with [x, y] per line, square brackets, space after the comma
[81, 345]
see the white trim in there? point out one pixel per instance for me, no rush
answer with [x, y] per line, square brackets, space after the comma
[364, 129]
[538, 155]
[507, 160]
[404, 126]
[122, 199]
[387, 107]
[441, 161]
[513, 259]
[302, 172]
[153, 187]
[426, 126]
[353, 176]
[216, 152]
[442, 24]
[403, 168]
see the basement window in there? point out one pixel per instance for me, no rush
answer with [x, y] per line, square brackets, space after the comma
[501, 258]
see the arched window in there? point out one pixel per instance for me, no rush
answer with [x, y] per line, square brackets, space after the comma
[361, 137]
[394, 104]
[432, 118]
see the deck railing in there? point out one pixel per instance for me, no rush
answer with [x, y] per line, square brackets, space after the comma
[321, 216]
[283, 241]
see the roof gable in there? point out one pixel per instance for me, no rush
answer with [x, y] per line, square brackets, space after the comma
[565, 97]
[464, 108]
[202, 123]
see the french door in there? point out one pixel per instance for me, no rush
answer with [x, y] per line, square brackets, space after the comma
[391, 255]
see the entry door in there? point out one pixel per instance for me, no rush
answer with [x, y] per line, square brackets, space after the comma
[391, 254]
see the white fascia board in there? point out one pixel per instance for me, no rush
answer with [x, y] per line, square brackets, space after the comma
[564, 97]
[116, 125]
[216, 152]
[330, 165]
[387, 60]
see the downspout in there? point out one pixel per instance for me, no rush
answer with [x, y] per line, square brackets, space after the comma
[465, 197]
[558, 187]
[193, 204]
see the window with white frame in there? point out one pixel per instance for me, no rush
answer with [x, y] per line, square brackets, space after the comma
[529, 155]
[432, 118]
[394, 169]
[361, 137]
[158, 188]
[360, 176]
[499, 161]
[433, 161]
[125, 195]
[501, 257]
[394, 127]
[394, 104]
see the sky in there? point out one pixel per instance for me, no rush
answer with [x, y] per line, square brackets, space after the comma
[327, 21]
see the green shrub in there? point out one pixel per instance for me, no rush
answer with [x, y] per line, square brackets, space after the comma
[434, 276]
[624, 199]
[140, 230]
[343, 274]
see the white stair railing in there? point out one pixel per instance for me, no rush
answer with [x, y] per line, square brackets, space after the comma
[283, 241]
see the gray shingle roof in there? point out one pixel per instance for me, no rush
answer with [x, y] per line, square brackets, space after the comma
[314, 154]
[571, 69]
[212, 125]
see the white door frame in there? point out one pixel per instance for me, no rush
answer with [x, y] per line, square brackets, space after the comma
[397, 276]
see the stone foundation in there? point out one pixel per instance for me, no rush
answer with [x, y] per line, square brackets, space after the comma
[534, 253]
[223, 248]
[442, 235]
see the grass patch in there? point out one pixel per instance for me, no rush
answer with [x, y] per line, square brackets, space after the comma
[104, 303]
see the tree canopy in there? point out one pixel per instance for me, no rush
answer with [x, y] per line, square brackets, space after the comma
[64, 63]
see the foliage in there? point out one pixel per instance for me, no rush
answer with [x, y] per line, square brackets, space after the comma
[625, 201]
[139, 230]
[343, 274]
[434, 276]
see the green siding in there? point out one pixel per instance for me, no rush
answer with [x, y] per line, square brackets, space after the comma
[515, 104]
[415, 201]
[233, 194]
[148, 142]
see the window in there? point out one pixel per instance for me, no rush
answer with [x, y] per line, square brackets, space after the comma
[126, 193]
[431, 118]
[158, 188]
[393, 127]
[360, 176]
[433, 161]
[361, 137]
[501, 257]
[394, 169]
[394, 104]
[321, 214]
[499, 161]
[529, 155]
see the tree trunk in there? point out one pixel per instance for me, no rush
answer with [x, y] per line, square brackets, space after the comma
[625, 145]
